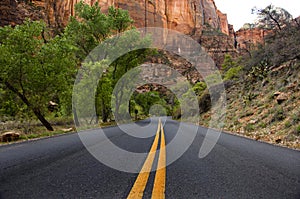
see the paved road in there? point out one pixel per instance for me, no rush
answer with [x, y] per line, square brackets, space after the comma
[61, 167]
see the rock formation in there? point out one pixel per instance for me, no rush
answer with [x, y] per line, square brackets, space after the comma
[186, 16]
[198, 18]
[7, 14]
[13, 12]
[248, 38]
[224, 26]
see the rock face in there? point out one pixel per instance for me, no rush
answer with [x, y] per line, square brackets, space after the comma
[210, 14]
[7, 14]
[186, 16]
[191, 17]
[224, 26]
[13, 12]
[248, 38]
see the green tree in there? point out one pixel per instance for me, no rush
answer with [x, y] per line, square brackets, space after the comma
[88, 29]
[103, 98]
[148, 99]
[35, 69]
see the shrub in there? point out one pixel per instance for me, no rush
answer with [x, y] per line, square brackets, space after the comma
[297, 130]
[263, 125]
[199, 87]
[233, 73]
[230, 68]
[287, 124]
[278, 116]
[295, 118]
[249, 127]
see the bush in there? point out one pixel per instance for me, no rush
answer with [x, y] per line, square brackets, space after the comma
[295, 118]
[199, 87]
[233, 73]
[287, 124]
[263, 125]
[230, 68]
[278, 116]
[213, 79]
[249, 127]
[297, 130]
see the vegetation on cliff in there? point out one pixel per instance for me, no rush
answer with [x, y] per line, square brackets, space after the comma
[263, 99]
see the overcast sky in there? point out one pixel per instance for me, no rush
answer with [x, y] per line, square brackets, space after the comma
[239, 12]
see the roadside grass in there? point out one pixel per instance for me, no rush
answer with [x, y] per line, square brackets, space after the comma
[29, 130]
[42, 134]
[32, 136]
[34, 130]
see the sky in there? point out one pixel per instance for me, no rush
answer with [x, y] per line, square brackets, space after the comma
[239, 12]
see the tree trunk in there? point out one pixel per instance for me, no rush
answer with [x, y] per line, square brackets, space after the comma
[76, 121]
[103, 110]
[36, 111]
[43, 120]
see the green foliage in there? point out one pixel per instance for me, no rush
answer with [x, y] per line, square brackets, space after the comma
[249, 128]
[295, 118]
[228, 63]
[199, 87]
[34, 69]
[231, 69]
[89, 28]
[287, 124]
[233, 73]
[213, 79]
[297, 130]
[262, 125]
[148, 99]
[103, 98]
[8, 105]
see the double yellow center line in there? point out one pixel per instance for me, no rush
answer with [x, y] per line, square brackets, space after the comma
[139, 186]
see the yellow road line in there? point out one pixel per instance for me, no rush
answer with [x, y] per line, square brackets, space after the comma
[158, 191]
[138, 188]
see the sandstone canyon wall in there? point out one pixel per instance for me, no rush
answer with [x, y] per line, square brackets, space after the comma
[248, 38]
[198, 18]
[13, 12]
[186, 16]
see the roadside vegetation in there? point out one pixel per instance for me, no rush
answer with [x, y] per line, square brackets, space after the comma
[39, 67]
[263, 97]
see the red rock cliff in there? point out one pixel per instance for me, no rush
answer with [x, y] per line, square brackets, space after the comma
[249, 38]
[198, 18]
[186, 16]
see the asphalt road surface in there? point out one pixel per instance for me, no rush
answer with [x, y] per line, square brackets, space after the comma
[61, 167]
